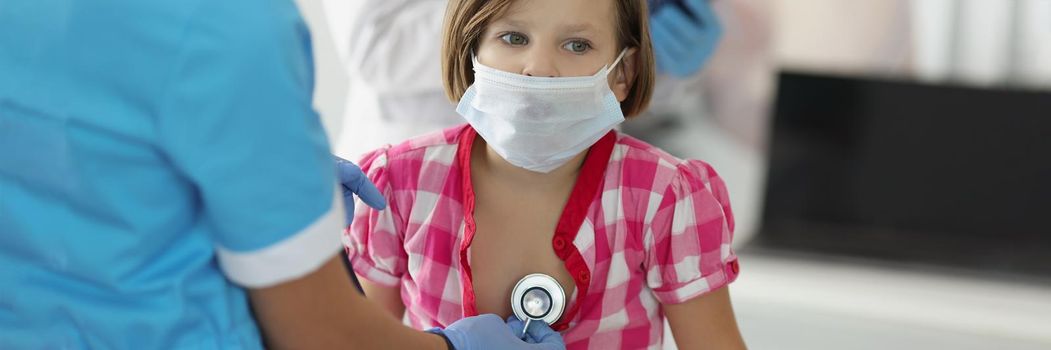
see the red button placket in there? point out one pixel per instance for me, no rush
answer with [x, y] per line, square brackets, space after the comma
[464, 160]
[585, 192]
[559, 243]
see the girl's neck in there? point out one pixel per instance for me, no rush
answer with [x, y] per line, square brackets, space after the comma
[486, 159]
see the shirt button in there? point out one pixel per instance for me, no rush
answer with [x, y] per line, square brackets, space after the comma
[734, 267]
[559, 243]
[585, 276]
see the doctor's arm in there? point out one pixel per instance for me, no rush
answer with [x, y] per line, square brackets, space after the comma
[322, 310]
[705, 322]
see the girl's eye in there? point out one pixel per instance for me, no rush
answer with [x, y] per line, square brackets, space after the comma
[515, 39]
[577, 46]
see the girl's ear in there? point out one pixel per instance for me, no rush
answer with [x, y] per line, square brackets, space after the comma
[624, 75]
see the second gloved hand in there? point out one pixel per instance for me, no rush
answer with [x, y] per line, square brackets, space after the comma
[490, 332]
[353, 181]
[684, 36]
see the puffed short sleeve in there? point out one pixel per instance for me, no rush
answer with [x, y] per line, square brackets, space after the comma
[688, 242]
[373, 240]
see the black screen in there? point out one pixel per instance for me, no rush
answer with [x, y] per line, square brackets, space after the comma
[911, 172]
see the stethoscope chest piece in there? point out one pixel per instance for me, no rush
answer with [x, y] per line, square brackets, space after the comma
[538, 297]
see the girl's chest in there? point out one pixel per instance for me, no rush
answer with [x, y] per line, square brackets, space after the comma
[513, 238]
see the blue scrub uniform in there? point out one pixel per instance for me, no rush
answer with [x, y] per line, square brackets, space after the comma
[155, 158]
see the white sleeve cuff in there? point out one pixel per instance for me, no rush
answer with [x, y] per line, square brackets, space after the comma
[291, 258]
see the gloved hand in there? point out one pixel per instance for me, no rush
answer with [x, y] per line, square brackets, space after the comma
[490, 332]
[684, 36]
[355, 182]
[538, 331]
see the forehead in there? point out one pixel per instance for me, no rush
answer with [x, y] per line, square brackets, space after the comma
[564, 15]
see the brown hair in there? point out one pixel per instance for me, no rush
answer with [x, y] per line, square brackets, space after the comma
[465, 21]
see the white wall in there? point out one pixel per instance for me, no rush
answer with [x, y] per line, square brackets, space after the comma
[1035, 43]
[870, 36]
[331, 81]
[975, 42]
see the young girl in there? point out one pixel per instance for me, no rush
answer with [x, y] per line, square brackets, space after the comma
[537, 182]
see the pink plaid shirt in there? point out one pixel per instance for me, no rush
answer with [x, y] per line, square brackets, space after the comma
[644, 228]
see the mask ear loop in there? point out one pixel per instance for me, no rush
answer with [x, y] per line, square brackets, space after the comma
[619, 57]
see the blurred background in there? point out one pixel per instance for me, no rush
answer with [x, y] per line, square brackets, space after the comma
[887, 160]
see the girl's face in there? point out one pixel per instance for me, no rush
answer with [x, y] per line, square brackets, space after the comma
[556, 38]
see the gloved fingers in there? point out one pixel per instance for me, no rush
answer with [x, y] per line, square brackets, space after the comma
[538, 333]
[713, 27]
[369, 193]
[668, 39]
[664, 54]
[686, 29]
[515, 325]
[704, 11]
[355, 181]
[488, 332]
[681, 43]
[547, 346]
[696, 35]
[541, 333]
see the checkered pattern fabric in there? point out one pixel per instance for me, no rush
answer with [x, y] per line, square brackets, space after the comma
[657, 232]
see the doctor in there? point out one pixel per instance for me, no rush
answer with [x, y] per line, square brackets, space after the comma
[165, 184]
[396, 86]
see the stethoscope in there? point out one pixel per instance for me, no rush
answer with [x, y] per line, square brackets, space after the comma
[537, 297]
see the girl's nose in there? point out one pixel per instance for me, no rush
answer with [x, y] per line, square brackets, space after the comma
[540, 63]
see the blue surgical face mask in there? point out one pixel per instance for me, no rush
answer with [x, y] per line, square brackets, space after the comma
[540, 123]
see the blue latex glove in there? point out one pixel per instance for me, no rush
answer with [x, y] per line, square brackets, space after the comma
[684, 36]
[538, 331]
[355, 182]
[490, 332]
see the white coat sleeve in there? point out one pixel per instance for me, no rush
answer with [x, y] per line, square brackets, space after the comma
[395, 45]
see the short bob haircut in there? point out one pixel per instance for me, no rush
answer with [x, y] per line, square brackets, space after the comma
[465, 21]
